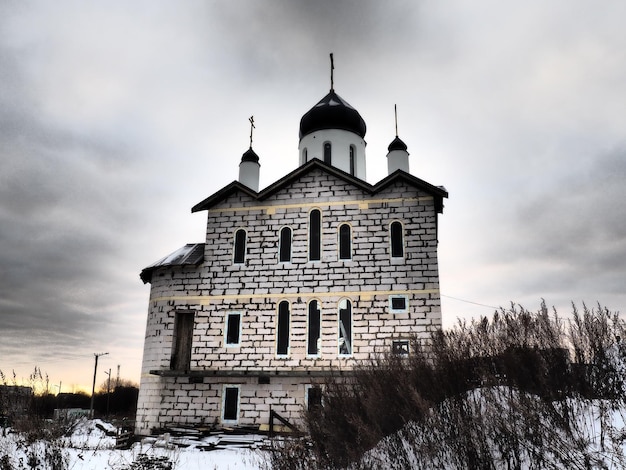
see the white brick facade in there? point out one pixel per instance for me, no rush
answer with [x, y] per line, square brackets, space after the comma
[217, 287]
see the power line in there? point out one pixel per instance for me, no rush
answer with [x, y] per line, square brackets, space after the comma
[469, 302]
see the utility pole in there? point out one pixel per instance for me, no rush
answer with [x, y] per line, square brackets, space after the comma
[108, 389]
[93, 388]
[58, 396]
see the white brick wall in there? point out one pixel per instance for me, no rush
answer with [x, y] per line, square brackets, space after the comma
[255, 289]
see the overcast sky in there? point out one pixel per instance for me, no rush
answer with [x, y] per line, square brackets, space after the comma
[117, 117]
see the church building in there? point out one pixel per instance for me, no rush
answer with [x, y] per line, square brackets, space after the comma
[306, 277]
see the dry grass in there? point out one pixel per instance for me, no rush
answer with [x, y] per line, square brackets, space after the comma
[499, 392]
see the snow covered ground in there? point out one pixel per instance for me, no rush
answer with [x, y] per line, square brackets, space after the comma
[598, 428]
[581, 434]
[187, 459]
[91, 448]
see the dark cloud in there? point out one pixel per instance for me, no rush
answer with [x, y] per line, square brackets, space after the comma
[115, 119]
[580, 213]
[63, 206]
[568, 240]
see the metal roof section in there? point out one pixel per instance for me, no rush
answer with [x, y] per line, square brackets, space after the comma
[250, 156]
[397, 144]
[192, 254]
[332, 112]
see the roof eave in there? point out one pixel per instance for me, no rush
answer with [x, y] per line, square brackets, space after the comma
[438, 192]
[220, 195]
[193, 256]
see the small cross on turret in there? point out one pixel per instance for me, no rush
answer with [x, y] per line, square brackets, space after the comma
[251, 119]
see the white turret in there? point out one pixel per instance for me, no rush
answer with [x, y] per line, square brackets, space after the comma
[398, 157]
[249, 170]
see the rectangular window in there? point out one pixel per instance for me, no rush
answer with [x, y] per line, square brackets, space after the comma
[233, 329]
[315, 235]
[400, 347]
[230, 404]
[282, 333]
[183, 336]
[314, 325]
[313, 396]
[398, 304]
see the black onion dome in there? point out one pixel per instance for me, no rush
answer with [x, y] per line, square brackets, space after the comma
[397, 144]
[250, 156]
[332, 112]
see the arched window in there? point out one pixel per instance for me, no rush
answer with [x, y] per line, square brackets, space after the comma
[327, 153]
[396, 239]
[284, 245]
[315, 235]
[314, 323]
[345, 241]
[345, 327]
[352, 160]
[305, 156]
[240, 246]
[282, 329]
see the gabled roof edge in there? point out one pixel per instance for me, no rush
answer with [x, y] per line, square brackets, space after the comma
[223, 193]
[438, 192]
[308, 166]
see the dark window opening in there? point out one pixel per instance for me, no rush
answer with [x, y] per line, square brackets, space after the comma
[345, 242]
[305, 156]
[314, 320]
[282, 335]
[352, 159]
[314, 397]
[233, 327]
[231, 404]
[315, 235]
[400, 347]
[327, 153]
[398, 303]
[240, 246]
[285, 244]
[397, 240]
[183, 336]
[345, 327]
